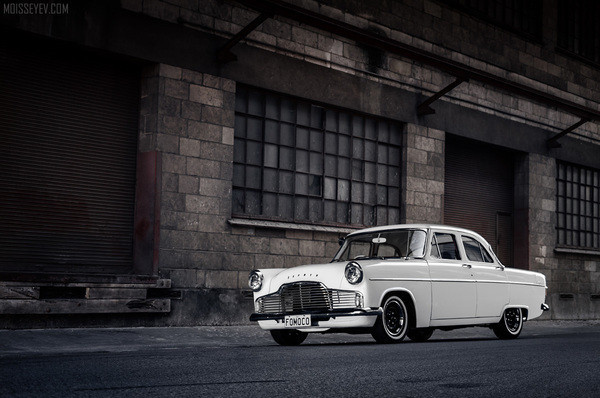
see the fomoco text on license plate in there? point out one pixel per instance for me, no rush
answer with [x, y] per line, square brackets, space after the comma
[296, 321]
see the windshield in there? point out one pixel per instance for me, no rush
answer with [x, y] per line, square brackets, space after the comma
[386, 244]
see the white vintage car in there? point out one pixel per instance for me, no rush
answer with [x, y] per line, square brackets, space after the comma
[397, 281]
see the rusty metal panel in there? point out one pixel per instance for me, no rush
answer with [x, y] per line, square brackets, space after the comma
[147, 213]
[68, 135]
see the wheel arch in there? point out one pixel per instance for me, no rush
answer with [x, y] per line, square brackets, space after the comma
[524, 310]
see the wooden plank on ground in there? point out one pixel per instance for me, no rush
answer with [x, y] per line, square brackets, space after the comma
[114, 293]
[83, 306]
[36, 278]
[9, 292]
[161, 283]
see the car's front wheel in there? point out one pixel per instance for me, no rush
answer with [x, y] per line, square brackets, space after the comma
[510, 325]
[288, 337]
[392, 324]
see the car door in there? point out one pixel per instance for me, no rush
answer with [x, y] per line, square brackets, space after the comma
[492, 286]
[453, 287]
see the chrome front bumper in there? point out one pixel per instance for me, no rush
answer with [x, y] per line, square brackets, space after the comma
[318, 317]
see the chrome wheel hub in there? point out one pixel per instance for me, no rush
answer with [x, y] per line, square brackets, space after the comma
[394, 317]
[512, 318]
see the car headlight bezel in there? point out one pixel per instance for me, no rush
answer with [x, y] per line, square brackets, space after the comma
[353, 273]
[255, 280]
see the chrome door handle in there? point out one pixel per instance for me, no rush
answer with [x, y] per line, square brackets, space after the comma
[466, 265]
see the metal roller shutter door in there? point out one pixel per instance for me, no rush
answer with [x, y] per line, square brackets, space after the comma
[479, 192]
[68, 136]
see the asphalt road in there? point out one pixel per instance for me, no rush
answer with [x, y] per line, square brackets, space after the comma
[550, 359]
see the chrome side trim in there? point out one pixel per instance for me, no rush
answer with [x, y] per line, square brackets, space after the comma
[400, 279]
[453, 280]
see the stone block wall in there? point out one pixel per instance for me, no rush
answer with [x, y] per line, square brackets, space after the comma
[189, 118]
[427, 25]
[423, 174]
[573, 279]
[541, 190]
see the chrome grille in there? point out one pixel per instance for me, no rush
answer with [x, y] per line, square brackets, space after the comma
[305, 296]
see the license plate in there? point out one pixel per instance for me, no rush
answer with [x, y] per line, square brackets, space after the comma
[296, 321]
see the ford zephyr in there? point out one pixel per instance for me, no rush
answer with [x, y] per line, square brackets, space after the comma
[395, 282]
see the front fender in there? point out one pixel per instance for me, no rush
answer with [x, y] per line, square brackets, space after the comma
[420, 297]
[268, 274]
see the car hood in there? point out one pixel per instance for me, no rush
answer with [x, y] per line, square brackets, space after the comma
[331, 275]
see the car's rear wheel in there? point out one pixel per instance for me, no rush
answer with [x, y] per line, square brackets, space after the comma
[288, 337]
[510, 325]
[392, 324]
[420, 334]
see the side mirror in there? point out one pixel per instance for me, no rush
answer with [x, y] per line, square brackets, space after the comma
[341, 241]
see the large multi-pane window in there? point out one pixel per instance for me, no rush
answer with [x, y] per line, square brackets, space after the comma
[521, 16]
[298, 161]
[578, 28]
[578, 206]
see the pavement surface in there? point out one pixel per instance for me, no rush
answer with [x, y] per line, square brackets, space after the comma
[81, 340]
[549, 359]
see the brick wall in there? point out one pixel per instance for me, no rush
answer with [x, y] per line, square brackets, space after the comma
[189, 118]
[572, 278]
[424, 24]
[193, 116]
[423, 176]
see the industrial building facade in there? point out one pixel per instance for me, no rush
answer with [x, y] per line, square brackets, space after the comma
[155, 152]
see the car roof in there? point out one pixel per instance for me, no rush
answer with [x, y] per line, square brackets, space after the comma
[417, 226]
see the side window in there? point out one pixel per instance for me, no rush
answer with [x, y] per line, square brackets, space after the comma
[444, 246]
[475, 250]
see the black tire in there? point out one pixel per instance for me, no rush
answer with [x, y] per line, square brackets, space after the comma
[391, 326]
[510, 325]
[420, 334]
[288, 336]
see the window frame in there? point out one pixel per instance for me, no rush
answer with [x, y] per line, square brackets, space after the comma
[575, 34]
[536, 35]
[569, 203]
[482, 250]
[379, 173]
[456, 246]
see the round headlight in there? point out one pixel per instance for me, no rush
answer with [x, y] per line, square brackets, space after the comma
[353, 273]
[255, 280]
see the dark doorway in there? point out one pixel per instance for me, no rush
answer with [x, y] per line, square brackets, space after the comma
[479, 192]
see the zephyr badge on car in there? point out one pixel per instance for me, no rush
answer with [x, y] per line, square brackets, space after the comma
[398, 281]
